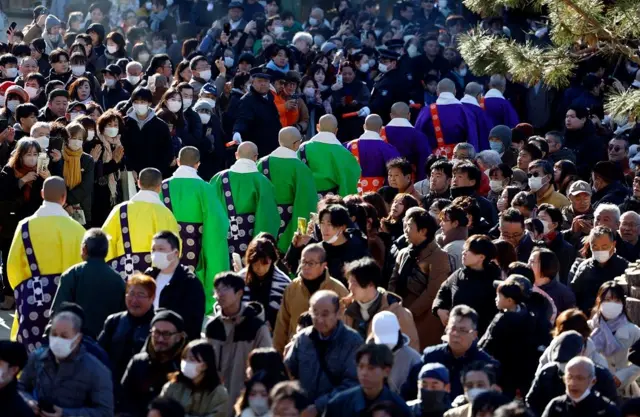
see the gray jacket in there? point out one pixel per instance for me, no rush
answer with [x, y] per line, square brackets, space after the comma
[81, 385]
[304, 362]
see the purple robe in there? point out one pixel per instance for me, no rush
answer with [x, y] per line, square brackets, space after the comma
[458, 125]
[411, 143]
[373, 155]
[483, 123]
[501, 112]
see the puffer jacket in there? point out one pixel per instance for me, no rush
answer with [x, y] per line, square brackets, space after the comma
[590, 352]
[614, 193]
[386, 301]
[198, 403]
[233, 338]
[422, 282]
[590, 275]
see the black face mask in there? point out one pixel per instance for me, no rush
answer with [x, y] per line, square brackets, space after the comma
[462, 191]
[434, 402]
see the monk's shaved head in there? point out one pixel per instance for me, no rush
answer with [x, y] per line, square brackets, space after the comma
[247, 150]
[373, 122]
[446, 86]
[498, 81]
[54, 190]
[189, 156]
[400, 110]
[150, 179]
[290, 138]
[328, 123]
[473, 89]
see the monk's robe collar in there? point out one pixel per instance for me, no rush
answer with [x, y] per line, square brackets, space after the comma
[447, 98]
[184, 171]
[284, 153]
[244, 166]
[399, 122]
[493, 93]
[49, 209]
[326, 137]
[370, 135]
[469, 100]
[147, 196]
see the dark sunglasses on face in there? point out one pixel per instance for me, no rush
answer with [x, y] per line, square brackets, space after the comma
[615, 148]
[535, 175]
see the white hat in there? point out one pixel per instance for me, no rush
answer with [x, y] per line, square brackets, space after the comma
[386, 328]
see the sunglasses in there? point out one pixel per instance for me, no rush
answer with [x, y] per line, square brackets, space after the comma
[615, 148]
[535, 175]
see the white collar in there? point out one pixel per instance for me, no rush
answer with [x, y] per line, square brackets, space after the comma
[326, 137]
[49, 209]
[284, 153]
[147, 196]
[370, 135]
[244, 166]
[399, 122]
[184, 171]
[493, 93]
[469, 100]
[447, 98]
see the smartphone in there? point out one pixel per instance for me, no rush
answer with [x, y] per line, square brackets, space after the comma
[302, 225]
[237, 261]
[46, 406]
[227, 29]
[56, 143]
[12, 27]
[295, 96]
[339, 78]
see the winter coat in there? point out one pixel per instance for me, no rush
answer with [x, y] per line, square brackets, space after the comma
[295, 301]
[614, 193]
[385, 301]
[630, 203]
[590, 352]
[549, 384]
[80, 384]
[53, 75]
[13, 206]
[352, 402]
[233, 338]
[590, 275]
[258, 121]
[324, 367]
[82, 193]
[619, 364]
[566, 254]
[147, 146]
[12, 402]
[404, 359]
[562, 296]
[472, 288]
[112, 96]
[422, 282]
[184, 294]
[350, 98]
[595, 405]
[587, 146]
[198, 403]
[191, 133]
[279, 282]
[562, 154]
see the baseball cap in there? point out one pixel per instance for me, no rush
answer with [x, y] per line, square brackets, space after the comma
[436, 371]
[385, 328]
[113, 69]
[579, 187]
[567, 345]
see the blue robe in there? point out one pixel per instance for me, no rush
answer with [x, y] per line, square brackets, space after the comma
[483, 123]
[410, 142]
[458, 125]
[374, 153]
[500, 111]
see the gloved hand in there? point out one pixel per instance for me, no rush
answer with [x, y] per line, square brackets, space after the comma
[411, 102]
[364, 112]
[237, 137]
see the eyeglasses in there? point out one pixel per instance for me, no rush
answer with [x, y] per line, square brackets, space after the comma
[460, 330]
[310, 263]
[138, 295]
[615, 148]
[512, 235]
[163, 335]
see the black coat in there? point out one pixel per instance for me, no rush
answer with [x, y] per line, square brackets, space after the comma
[150, 146]
[473, 288]
[184, 294]
[389, 88]
[123, 336]
[258, 121]
[566, 254]
[13, 206]
[12, 402]
[352, 402]
[631, 203]
[614, 193]
[192, 133]
[561, 295]
[548, 385]
[587, 146]
[113, 96]
[594, 405]
[212, 155]
[53, 75]
[82, 193]
[590, 275]
[230, 115]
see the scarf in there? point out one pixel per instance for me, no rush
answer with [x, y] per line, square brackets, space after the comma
[107, 156]
[71, 172]
[272, 66]
[157, 18]
[603, 334]
[26, 188]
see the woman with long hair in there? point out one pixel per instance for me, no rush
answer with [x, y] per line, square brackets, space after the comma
[254, 400]
[392, 224]
[563, 172]
[182, 73]
[614, 334]
[197, 386]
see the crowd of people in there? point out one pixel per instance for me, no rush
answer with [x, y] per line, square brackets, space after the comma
[216, 209]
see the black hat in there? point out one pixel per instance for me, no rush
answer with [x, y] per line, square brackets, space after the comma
[394, 43]
[260, 72]
[236, 5]
[292, 77]
[170, 316]
[608, 171]
[39, 11]
[113, 69]
[75, 104]
[351, 42]
[97, 28]
[13, 353]
[567, 346]
[388, 54]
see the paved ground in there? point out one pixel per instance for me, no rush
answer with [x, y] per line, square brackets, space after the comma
[6, 320]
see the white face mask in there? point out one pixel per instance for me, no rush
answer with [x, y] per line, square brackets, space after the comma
[206, 75]
[442, 4]
[474, 392]
[313, 21]
[496, 186]
[73, 116]
[463, 72]
[12, 104]
[602, 256]
[278, 30]
[189, 369]
[228, 61]
[43, 141]
[584, 395]
[112, 49]
[31, 91]
[174, 106]
[111, 132]
[148, 5]
[259, 405]
[364, 67]
[333, 239]
[204, 118]
[60, 346]
[78, 70]
[133, 79]
[210, 101]
[545, 226]
[412, 50]
[141, 109]
[75, 144]
[4, 377]
[382, 67]
[2, 98]
[30, 161]
[11, 72]
[143, 58]
[611, 309]
[535, 183]
[91, 134]
[186, 103]
[309, 91]
[109, 82]
[160, 260]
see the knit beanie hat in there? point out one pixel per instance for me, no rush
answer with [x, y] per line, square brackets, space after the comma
[170, 316]
[51, 22]
[5, 86]
[16, 89]
[503, 133]
[608, 171]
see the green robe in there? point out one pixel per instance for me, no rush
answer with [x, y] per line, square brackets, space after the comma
[253, 193]
[332, 166]
[194, 201]
[295, 186]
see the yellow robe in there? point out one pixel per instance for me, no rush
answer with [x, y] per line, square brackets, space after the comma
[56, 242]
[145, 220]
